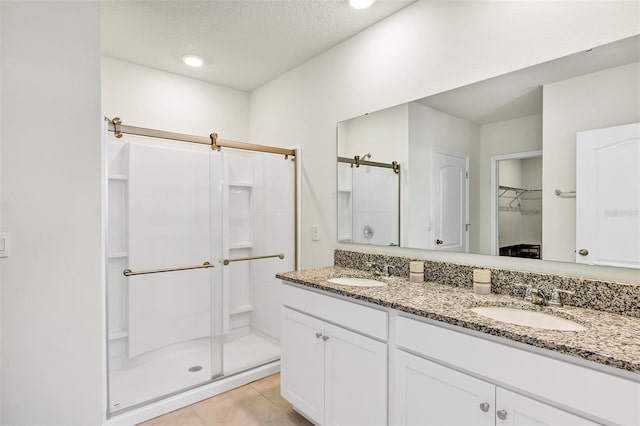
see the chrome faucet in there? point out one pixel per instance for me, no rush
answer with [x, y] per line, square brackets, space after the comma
[556, 297]
[380, 270]
[538, 297]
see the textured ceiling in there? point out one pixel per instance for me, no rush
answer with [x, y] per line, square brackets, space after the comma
[244, 43]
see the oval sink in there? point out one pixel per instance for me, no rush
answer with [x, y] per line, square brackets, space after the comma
[528, 318]
[356, 282]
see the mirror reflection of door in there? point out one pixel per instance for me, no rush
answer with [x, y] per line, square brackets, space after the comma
[450, 202]
[519, 206]
[608, 196]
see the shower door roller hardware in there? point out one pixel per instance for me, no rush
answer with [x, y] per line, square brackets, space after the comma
[484, 406]
[583, 252]
[439, 242]
[502, 414]
[318, 335]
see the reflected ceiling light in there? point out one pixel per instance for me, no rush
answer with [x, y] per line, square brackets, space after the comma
[193, 60]
[360, 4]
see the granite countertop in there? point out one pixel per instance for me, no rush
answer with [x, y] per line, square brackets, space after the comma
[609, 339]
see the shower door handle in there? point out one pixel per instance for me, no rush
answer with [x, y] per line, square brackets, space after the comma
[240, 259]
[129, 272]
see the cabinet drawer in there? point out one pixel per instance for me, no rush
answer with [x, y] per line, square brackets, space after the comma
[362, 319]
[560, 383]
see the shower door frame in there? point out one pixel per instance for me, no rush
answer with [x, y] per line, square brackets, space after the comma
[116, 127]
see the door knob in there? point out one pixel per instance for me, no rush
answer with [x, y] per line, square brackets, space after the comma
[484, 406]
[502, 414]
[583, 252]
[439, 242]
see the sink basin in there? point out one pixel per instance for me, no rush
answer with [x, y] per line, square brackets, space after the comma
[356, 282]
[528, 318]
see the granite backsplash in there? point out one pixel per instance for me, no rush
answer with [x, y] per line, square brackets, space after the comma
[608, 296]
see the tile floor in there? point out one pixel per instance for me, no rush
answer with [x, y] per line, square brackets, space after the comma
[258, 403]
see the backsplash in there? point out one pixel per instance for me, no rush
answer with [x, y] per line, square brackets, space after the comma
[614, 297]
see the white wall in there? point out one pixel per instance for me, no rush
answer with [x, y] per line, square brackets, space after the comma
[382, 133]
[532, 202]
[423, 49]
[430, 130]
[503, 137]
[52, 291]
[145, 97]
[593, 101]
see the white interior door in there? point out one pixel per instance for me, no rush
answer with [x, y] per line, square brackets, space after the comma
[608, 196]
[450, 202]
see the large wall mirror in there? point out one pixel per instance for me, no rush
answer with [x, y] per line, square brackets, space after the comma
[540, 163]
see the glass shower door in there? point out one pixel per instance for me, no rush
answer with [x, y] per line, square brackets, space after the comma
[164, 293]
[259, 216]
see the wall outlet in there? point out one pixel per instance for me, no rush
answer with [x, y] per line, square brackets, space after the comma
[315, 232]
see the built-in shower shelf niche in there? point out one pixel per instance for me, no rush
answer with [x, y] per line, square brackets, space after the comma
[118, 177]
[241, 309]
[115, 335]
[240, 216]
[118, 254]
[241, 245]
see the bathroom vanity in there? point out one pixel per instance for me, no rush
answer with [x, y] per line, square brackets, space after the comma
[414, 353]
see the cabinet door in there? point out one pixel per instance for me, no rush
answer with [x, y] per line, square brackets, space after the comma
[355, 379]
[514, 409]
[302, 363]
[427, 393]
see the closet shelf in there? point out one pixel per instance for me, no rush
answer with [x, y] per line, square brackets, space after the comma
[514, 194]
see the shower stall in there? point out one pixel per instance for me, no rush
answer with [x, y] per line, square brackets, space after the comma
[195, 236]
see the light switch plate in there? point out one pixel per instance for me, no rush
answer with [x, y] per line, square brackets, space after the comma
[315, 232]
[5, 244]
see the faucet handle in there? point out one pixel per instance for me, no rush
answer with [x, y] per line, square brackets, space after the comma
[386, 270]
[527, 293]
[556, 297]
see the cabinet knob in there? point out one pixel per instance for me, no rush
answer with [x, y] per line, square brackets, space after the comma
[502, 414]
[484, 406]
[439, 242]
[325, 338]
[318, 335]
[583, 252]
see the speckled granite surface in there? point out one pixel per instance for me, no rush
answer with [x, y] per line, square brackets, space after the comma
[610, 339]
[614, 297]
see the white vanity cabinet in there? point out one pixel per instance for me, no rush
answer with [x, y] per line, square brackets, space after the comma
[430, 394]
[542, 390]
[334, 371]
[333, 374]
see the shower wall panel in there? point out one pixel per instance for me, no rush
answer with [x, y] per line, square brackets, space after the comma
[169, 226]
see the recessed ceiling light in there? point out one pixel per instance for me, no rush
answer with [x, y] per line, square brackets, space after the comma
[360, 4]
[193, 60]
